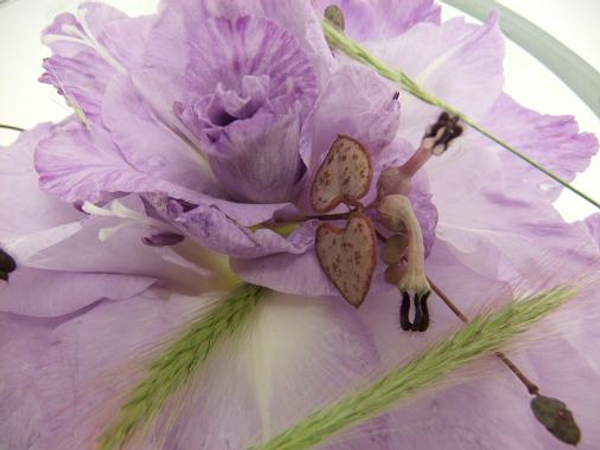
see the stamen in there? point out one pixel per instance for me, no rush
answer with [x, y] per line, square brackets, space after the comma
[129, 216]
[397, 180]
[396, 214]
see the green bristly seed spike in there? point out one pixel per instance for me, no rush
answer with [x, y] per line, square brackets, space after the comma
[169, 372]
[481, 337]
[337, 39]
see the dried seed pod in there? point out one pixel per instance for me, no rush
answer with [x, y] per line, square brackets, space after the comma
[557, 419]
[347, 256]
[344, 177]
[393, 249]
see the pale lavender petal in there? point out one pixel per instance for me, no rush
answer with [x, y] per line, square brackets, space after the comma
[357, 103]
[593, 226]
[51, 293]
[288, 273]
[210, 227]
[507, 223]
[147, 144]
[86, 57]
[26, 209]
[22, 343]
[89, 363]
[382, 19]
[294, 355]
[224, 51]
[77, 164]
[297, 18]
[257, 160]
[553, 141]
[458, 62]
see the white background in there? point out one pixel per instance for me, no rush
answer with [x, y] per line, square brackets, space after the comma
[25, 102]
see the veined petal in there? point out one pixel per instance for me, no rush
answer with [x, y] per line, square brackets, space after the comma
[51, 293]
[26, 209]
[383, 19]
[293, 355]
[79, 165]
[95, 357]
[86, 54]
[458, 62]
[22, 343]
[211, 227]
[510, 209]
[257, 160]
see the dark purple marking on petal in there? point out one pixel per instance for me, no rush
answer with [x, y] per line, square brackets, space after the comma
[163, 239]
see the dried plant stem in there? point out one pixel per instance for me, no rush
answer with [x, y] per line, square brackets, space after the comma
[168, 373]
[483, 336]
[11, 127]
[532, 388]
[339, 40]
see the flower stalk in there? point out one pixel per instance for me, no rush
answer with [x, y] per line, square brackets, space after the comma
[483, 336]
[175, 366]
[337, 39]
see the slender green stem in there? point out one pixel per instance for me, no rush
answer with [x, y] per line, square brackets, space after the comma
[339, 40]
[170, 372]
[483, 336]
[11, 127]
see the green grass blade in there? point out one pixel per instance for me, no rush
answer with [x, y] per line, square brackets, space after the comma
[483, 336]
[339, 40]
[573, 70]
[167, 374]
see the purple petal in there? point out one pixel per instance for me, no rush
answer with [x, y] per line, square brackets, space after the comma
[593, 226]
[22, 343]
[50, 293]
[210, 227]
[257, 160]
[222, 51]
[555, 143]
[25, 209]
[93, 359]
[87, 53]
[458, 62]
[506, 224]
[76, 165]
[382, 19]
[147, 144]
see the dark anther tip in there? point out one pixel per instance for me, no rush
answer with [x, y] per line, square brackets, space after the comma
[404, 310]
[421, 319]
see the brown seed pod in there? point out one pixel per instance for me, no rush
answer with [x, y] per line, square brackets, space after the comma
[348, 257]
[344, 177]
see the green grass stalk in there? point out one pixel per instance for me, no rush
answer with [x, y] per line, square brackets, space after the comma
[483, 336]
[339, 40]
[170, 372]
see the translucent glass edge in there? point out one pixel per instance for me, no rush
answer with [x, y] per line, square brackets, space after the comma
[573, 70]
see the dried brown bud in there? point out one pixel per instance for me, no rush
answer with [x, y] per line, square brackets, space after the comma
[557, 419]
[335, 15]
